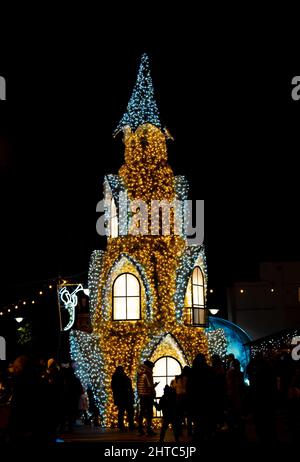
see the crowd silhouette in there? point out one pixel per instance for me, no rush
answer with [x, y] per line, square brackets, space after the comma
[41, 400]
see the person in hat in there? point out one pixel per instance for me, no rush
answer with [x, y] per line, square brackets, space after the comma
[146, 392]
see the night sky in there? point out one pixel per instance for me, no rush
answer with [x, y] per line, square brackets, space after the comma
[228, 106]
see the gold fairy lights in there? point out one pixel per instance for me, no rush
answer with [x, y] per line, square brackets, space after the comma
[154, 260]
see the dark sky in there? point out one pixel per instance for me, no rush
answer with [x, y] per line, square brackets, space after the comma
[228, 106]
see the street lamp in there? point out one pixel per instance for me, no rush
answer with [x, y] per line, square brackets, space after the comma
[214, 310]
[19, 319]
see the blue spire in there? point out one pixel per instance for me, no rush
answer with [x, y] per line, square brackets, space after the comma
[142, 106]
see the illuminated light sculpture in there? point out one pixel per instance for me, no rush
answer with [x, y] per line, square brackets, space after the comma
[147, 292]
[70, 301]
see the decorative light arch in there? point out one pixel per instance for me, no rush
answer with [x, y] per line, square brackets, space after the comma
[164, 344]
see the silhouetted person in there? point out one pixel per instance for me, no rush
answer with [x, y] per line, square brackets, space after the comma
[168, 405]
[93, 408]
[229, 358]
[201, 387]
[263, 394]
[123, 397]
[294, 404]
[72, 392]
[235, 392]
[24, 402]
[146, 392]
[53, 393]
[220, 390]
[180, 383]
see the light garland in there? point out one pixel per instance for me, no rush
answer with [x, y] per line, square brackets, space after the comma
[93, 280]
[274, 343]
[91, 373]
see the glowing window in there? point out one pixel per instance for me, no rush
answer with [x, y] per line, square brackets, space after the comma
[164, 371]
[114, 225]
[196, 312]
[126, 298]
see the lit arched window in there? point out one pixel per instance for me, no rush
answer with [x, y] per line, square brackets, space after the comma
[165, 370]
[114, 225]
[126, 298]
[197, 310]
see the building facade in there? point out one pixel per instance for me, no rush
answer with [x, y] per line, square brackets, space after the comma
[269, 305]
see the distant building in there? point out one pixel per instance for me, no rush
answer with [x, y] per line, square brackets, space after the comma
[270, 304]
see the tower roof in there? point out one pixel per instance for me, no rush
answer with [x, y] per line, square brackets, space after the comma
[142, 107]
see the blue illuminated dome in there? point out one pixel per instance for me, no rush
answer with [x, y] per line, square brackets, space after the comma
[236, 339]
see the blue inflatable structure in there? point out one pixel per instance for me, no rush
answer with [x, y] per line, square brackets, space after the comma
[237, 339]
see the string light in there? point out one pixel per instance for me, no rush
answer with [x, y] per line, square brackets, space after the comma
[29, 300]
[217, 343]
[142, 106]
[274, 342]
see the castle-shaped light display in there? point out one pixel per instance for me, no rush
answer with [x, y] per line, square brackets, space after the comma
[147, 292]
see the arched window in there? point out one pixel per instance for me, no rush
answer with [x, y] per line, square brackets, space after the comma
[114, 224]
[165, 370]
[126, 298]
[197, 310]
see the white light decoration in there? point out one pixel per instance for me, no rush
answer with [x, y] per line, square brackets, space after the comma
[217, 343]
[91, 373]
[19, 319]
[86, 292]
[70, 301]
[142, 106]
[95, 270]
[274, 342]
